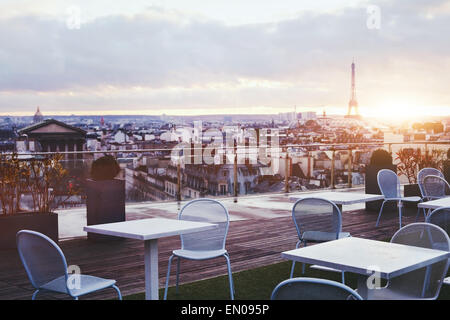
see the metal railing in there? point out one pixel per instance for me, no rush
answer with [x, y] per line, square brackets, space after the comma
[284, 153]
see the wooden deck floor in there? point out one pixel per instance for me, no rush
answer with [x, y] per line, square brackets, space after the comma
[251, 243]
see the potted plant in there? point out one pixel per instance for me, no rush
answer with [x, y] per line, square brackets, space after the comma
[38, 178]
[411, 161]
[105, 195]
[380, 159]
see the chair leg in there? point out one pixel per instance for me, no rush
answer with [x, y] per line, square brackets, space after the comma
[400, 209]
[379, 215]
[119, 294]
[178, 273]
[35, 294]
[293, 262]
[230, 276]
[418, 211]
[303, 264]
[292, 269]
[167, 277]
[343, 277]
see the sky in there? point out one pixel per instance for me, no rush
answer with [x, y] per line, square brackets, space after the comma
[181, 57]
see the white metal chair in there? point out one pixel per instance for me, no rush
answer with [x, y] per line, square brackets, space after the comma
[206, 244]
[420, 180]
[46, 268]
[317, 220]
[390, 188]
[421, 176]
[441, 218]
[435, 187]
[424, 283]
[313, 289]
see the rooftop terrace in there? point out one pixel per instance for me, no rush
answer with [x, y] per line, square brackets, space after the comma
[261, 228]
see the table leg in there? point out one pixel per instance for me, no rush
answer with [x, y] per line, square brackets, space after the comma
[363, 289]
[151, 269]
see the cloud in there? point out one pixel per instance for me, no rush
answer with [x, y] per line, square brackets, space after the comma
[180, 61]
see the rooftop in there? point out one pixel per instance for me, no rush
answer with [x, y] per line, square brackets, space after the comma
[261, 228]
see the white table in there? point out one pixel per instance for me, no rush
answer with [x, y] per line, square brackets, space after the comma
[149, 231]
[340, 197]
[363, 257]
[434, 204]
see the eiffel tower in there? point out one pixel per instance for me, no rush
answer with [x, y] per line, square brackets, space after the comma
[353, 104]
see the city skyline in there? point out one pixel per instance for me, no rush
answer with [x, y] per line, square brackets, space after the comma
[176, 58]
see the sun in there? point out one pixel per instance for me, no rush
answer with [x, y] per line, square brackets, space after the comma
[400, 110]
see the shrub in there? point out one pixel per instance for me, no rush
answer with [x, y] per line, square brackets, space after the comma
[105, 168]
[381, 157]
[412, 160]
[39, 177]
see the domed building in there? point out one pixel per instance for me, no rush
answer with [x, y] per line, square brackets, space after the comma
[38, 117]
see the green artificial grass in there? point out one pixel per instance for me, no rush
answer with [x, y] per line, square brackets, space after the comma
[254, 284]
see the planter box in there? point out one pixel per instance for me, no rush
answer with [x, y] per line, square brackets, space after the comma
[411, 190]
[105, 203]
[371, 187]
[46, 223]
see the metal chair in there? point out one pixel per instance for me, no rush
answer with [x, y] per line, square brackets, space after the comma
[317, 220]
[206, 244]
[441, 218]
[421, 176]
[313, 289]
[390, 188]
[435, 187]
[424, 283]
[46, 268]
[420, 180]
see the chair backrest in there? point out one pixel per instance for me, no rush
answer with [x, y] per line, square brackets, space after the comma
[435, 187]
[427, 172]
[441, 218]
[388, 183]
[205, 210]
[41, 256]
[313, 289]
[316, 214]
[425, 282]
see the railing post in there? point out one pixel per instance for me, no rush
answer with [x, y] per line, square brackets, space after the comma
[390, 148]
[286, 179]
[178, 182]
[235, 172]
[350, 165]
[333, 158]
[309, 165]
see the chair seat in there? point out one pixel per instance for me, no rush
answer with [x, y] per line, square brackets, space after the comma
[320, 236]
[411, 199]
[87, 283]
[405, 199]
[199, 254]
